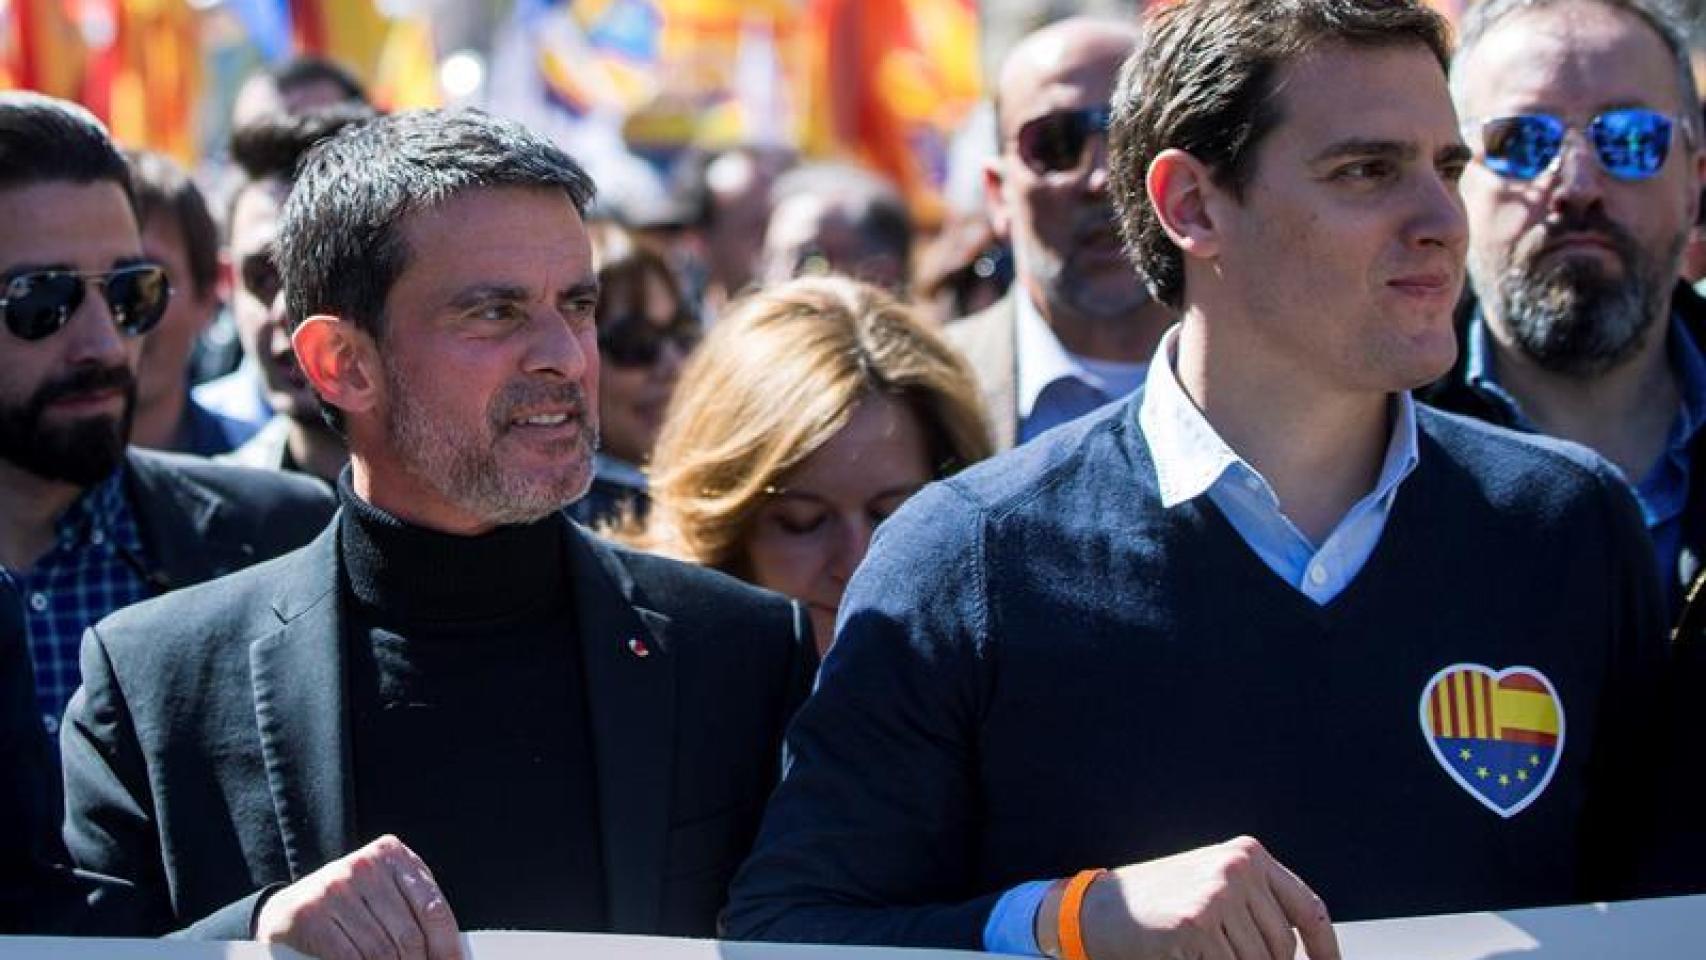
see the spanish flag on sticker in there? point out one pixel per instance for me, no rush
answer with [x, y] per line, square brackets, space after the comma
[1498, 733]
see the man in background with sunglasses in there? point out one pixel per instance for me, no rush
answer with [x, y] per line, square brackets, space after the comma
[1077, 327]
[1584, 121]
[88, 525]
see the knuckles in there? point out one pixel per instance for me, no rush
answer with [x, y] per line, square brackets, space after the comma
[412, 941]
[1244, 858]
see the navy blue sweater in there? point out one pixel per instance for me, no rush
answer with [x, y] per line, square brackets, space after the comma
[1040, 669]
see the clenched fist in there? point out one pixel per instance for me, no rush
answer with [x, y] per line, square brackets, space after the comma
[378, 903]
[1231, 901]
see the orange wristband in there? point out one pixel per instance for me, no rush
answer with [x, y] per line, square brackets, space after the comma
[1071, 919]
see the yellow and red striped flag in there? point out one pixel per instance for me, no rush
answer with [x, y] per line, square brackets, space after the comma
[144, 71]
[891, 81]
[41, 48]
[351, 32]
[406, 77]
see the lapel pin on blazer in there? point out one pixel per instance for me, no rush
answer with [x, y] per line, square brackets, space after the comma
[638, 648]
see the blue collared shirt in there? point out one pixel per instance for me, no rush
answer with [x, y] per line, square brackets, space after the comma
[81, 578]
[1053, 385]
[1191, 460]
[1663, 491]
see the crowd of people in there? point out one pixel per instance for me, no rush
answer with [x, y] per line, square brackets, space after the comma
[1277, 507]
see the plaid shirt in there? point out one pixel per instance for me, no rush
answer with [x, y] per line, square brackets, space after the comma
[83, 577]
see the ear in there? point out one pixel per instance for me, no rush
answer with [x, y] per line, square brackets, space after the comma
[1181, 191]
[993, 200]
[339, 360]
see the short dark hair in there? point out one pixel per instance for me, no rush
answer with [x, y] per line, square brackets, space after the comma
[44, 139]
[1203, 81]
[272, 147]
[164, 190]
[306, 70]
[341, 244]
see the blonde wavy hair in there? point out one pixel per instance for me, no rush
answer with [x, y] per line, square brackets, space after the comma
[778, 376]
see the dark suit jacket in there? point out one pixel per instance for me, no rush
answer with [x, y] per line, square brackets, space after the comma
[198, 520]
[30, 885]
[202, 520]
[207, 754]
[990, 342]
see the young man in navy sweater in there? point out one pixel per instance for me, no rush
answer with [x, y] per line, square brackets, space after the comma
[1406, 655]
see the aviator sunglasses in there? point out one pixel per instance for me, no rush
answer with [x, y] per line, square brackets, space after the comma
[1055, 142]
[1631, 143]
[40, 303]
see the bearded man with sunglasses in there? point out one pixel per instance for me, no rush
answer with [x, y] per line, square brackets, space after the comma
[1584, 118]
[88, 525]
[1077, 327]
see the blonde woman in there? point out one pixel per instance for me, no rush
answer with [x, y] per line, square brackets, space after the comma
[810, 412]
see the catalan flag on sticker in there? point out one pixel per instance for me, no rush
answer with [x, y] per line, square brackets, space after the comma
[1498, 733]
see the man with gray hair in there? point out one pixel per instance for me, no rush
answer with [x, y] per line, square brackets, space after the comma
[574, 736]
[1584, 119]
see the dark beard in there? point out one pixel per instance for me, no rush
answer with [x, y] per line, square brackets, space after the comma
[1573, 318]
[84, 452]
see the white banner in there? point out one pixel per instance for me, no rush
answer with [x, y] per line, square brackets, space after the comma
[1632, 930]
[1636, 930]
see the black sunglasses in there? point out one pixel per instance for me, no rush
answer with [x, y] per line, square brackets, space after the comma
[1055, 142]
[39, 304]
[634, 341]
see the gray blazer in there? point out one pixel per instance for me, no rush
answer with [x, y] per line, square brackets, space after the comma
[989, 341]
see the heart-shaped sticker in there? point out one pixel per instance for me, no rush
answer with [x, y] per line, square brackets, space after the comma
[1498, 733]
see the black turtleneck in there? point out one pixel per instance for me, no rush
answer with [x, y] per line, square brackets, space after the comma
[470, 735]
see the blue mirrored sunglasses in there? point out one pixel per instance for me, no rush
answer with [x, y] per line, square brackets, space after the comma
[1631, 144]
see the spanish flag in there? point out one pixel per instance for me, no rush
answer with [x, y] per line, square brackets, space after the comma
[1517, 708]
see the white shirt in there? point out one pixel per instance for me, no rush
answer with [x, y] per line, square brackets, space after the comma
[1054, 385]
